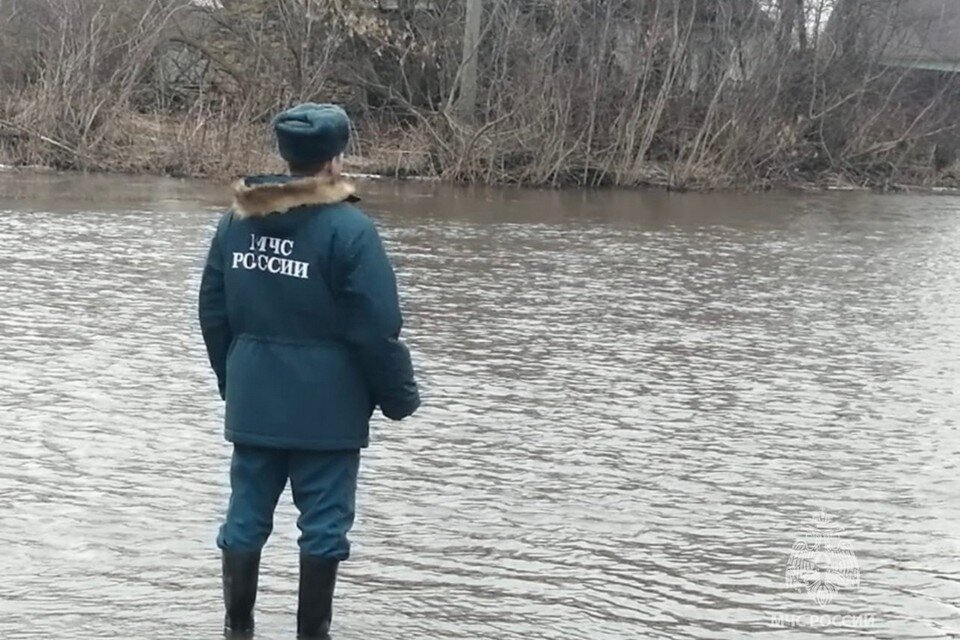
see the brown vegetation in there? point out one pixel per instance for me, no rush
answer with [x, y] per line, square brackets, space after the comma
[683, 93]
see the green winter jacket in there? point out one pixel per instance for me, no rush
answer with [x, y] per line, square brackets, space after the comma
[299, 313]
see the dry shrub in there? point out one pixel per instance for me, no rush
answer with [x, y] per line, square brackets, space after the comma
[681, 93]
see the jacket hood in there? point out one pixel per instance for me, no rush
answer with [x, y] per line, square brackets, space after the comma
[260, 196]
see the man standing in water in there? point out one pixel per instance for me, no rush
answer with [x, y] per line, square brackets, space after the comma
[299, 313]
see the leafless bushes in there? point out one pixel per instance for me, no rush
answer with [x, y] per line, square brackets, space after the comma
[692, 94]
[74, 96]
[684, 93]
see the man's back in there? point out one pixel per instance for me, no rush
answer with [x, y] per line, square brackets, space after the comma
[310, 301]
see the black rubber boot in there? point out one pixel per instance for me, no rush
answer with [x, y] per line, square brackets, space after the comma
[240, 573]
[318, 577]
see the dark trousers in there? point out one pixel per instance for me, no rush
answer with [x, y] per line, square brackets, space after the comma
[324, 487]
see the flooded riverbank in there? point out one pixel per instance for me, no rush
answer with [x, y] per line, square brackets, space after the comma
[637, 405]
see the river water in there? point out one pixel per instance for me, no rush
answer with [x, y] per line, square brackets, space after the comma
[638, 409]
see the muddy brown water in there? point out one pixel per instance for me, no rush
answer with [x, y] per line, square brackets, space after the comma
[637, 404]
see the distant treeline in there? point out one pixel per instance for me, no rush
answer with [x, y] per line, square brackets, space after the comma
[682, 93]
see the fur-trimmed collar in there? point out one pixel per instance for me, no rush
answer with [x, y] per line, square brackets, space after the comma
[257, 198]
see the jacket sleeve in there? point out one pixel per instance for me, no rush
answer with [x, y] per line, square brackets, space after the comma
[372, 324]
[214, 323]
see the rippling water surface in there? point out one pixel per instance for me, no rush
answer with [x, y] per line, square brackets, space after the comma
[636, 405]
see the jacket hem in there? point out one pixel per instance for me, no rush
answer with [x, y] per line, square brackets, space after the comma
[340, 444]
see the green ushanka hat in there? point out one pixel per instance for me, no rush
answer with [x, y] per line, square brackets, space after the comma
[311, 134]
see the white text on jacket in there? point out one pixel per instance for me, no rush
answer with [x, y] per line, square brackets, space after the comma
[271, 255]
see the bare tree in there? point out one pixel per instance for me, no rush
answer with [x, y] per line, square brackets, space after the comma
[467, 100]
